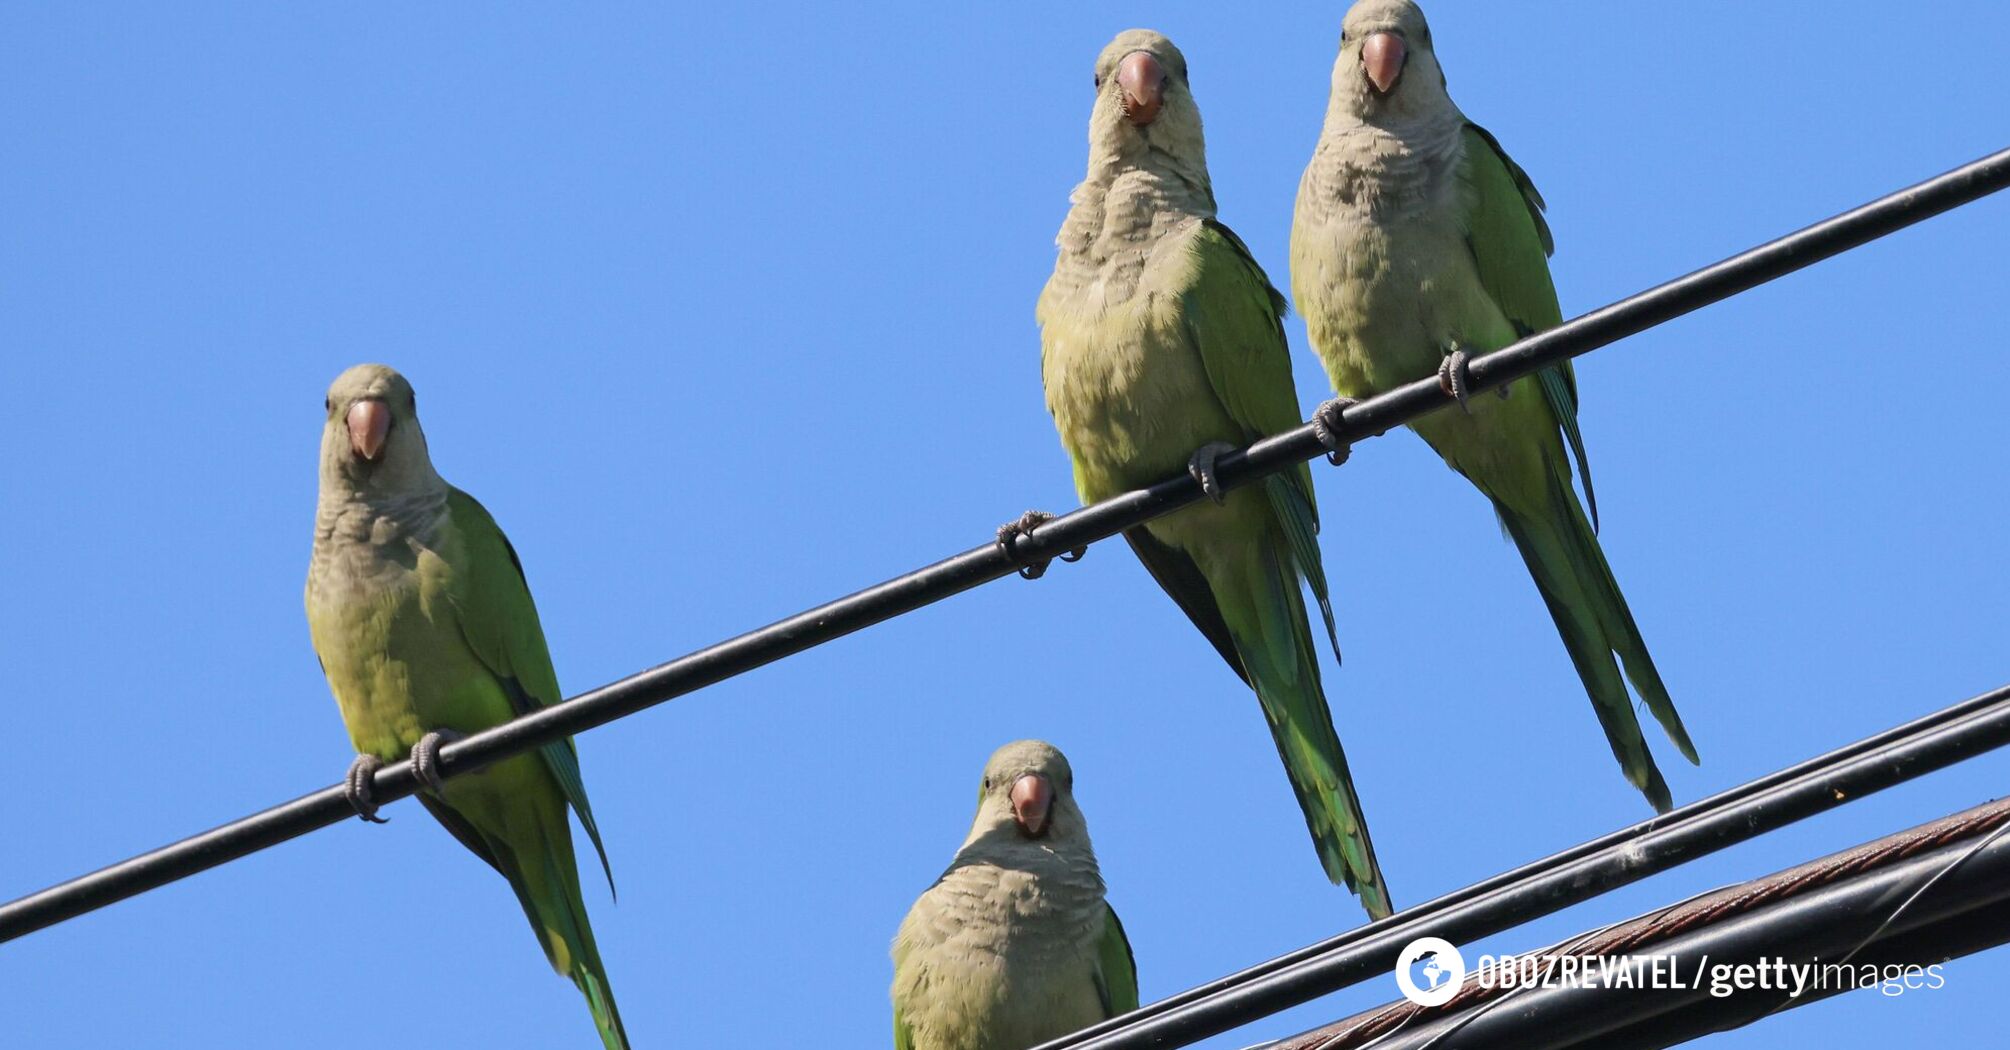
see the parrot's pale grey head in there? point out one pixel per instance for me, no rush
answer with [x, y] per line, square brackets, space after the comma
[1387, 70]
[1144, 109]
[371, 441]
[1028, 793]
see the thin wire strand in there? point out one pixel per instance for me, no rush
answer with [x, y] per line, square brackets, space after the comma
[1789, 888]
[1912, 898]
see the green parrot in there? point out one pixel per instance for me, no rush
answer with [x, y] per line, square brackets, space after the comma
[1417, 243]
[1014, 945]
[1162, 344]
[425, 628]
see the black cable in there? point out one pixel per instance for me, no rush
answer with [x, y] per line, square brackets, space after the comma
[1044, 542]
[1539, 888]
[1575, 875]
[1902, 901]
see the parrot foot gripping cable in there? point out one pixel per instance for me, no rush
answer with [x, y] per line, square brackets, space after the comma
[1022, 526]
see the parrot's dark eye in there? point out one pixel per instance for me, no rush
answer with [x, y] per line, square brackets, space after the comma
[987, 783]
[327, 404]
[1099, 81]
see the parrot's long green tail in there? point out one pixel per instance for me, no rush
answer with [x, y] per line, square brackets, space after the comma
[548, 889]
[1266, 616]
[1570, 569]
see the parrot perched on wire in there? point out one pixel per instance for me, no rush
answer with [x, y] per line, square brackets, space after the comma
[1014, 945]
[1416, 244]
[425, 628]
[1162, 346]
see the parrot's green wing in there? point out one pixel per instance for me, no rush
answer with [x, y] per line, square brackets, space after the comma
[1116, 970]
[1511, 243]
[1235, 319]
[1180, 578]
[499, 620]
[903, 1036]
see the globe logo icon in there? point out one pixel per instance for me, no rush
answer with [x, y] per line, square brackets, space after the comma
[1442, 966]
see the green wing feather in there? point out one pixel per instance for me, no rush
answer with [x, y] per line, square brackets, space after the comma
[499, 620]
[1178, 575]
[1300, 519]
[903, 1036]
[1117, 969]
[1512, 243]
[1235, 318]
[1559, 389]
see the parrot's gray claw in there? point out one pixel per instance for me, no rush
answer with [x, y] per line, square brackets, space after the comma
[426, 758]
[1326, 426]
[1455, 377]
[1201, 467]
[1010, 532]
[357, 785]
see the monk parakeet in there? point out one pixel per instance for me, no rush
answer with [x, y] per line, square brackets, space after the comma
[1418, 243]
[1014, 945]
[1162, 345]
[426, 631]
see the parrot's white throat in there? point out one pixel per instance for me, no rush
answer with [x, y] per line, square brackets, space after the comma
[365, 541]
[368, 535]
[1387, 171]
[1131, 200]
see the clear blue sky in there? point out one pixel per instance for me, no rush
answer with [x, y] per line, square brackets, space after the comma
[725, 314]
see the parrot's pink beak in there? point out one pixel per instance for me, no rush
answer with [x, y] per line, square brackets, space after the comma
[1382, 54]
[1143, 82]
[369, 421]
[1032, 801]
